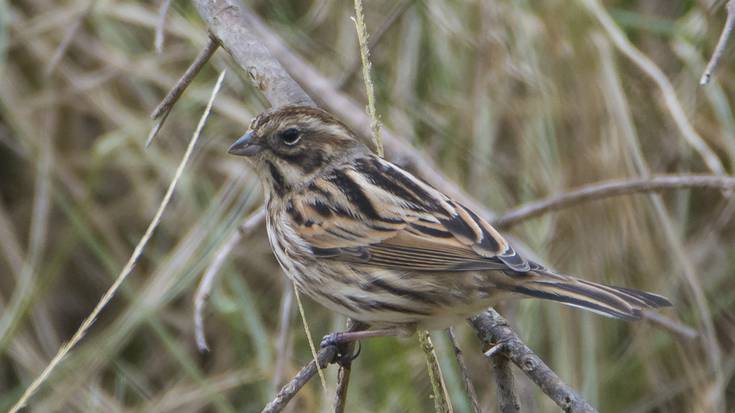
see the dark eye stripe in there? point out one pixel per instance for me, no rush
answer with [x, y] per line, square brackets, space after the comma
[308, 162]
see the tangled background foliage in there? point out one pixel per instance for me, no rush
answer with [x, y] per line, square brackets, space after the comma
[514, 100]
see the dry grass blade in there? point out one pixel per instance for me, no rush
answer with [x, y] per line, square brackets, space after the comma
[210, 276]
[309, 339]
[161, 26]
[667, 89]
[137, 252]
[442, 402]
[362, 37]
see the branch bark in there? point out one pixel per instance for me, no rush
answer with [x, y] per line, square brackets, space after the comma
[326, 355]
[505, 384]
[228, 22]
[493, 329]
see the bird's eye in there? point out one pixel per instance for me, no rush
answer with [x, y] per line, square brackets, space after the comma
[290, 136]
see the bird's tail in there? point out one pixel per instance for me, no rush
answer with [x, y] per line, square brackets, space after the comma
[616, 302]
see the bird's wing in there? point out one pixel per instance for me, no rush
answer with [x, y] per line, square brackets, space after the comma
[373, 212]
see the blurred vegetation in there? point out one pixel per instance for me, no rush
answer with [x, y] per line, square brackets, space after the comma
[515, 100]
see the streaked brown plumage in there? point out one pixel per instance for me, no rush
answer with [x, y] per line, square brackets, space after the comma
[371, 241]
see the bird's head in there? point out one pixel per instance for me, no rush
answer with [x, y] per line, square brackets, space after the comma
[289, 145]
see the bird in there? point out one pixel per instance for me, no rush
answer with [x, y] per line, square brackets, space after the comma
[369, 240]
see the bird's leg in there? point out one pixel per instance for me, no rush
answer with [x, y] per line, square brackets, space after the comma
[345, 337]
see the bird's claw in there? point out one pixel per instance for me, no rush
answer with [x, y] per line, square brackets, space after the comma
[331, 339]
[345, 353]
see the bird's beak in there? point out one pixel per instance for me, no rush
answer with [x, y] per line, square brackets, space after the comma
[244, 146]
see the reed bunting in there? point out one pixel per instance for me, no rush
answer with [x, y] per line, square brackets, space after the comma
[370, 241]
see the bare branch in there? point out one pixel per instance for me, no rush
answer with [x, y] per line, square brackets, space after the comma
[468, 386]
[721, 44]
[228, 22]
[612, 188]
[326, 355]
[505, 384]
[493, 329]
[164, 108]
[343, 382]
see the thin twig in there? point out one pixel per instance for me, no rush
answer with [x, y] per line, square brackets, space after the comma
[493, 329]
[326, 355]
[612, 188]
[721, 44]
[362, 38]
[164, 108]
[442, 402]
[161, 25]
[505, 384]
[468, 386]
[345, 367]
[137, 252]
[343, 383]
[205, 284]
